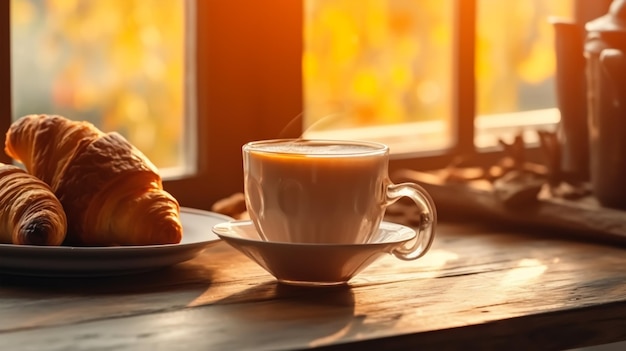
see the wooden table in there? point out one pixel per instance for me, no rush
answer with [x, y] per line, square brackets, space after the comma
[478, 287]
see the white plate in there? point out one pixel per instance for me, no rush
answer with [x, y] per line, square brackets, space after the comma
[99, 261]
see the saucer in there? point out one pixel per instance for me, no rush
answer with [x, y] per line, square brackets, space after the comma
[313, 264]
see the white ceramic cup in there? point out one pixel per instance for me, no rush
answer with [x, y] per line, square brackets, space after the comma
[327, 192]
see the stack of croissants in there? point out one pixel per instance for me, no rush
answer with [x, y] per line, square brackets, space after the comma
[81, 187]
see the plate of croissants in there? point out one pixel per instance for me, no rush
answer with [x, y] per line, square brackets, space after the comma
[89, 203]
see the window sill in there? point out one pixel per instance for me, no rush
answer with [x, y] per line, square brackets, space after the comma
[434, 137]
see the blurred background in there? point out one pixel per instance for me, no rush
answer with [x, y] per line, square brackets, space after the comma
[367, 65]
[119, 64]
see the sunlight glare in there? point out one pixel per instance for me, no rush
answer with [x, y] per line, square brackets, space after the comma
[526, 270]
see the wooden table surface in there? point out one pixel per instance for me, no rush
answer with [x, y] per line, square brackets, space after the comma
[478, 287]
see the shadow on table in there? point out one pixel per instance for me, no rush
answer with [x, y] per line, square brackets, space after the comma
[321, 315]
[173, 278]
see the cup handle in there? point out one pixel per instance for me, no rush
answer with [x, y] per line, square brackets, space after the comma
[417, 247]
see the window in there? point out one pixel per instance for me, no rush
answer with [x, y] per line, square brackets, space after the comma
[248, 81]
[119, 64]
[253, 65]
[379, 70]
[497, 77]
[389, 62]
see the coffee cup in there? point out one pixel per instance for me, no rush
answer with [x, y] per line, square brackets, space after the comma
[327, 192]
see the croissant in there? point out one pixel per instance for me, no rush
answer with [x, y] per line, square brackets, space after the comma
[110, 191]
[30, 214]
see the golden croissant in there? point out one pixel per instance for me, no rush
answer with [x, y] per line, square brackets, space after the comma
[110, 191]
[30, 213]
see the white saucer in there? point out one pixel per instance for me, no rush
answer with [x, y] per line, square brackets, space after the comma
[313, 264]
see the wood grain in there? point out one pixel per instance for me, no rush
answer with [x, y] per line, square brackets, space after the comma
[478, 287]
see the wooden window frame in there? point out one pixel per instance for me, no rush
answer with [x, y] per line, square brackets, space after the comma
[248, 87]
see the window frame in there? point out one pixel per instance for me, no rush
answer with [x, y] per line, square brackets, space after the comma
[243, 70]
[252, 51]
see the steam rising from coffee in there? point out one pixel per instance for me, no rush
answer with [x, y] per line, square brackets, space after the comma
[299, 118]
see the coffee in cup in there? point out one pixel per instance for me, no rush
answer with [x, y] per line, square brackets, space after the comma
[325, 191]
